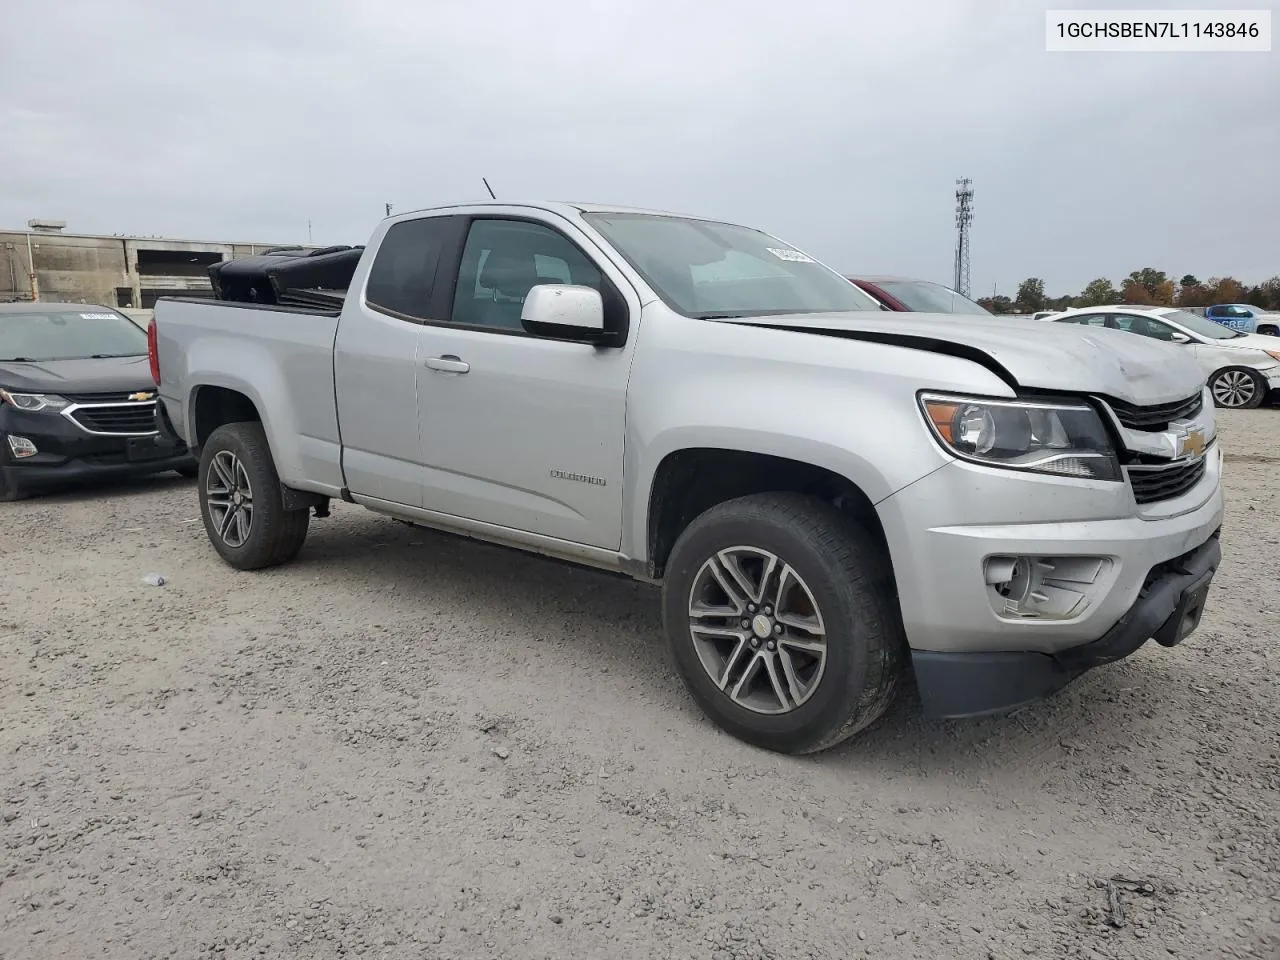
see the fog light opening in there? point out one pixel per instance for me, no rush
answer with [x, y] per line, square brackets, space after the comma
[1042, 588]
[21, 447]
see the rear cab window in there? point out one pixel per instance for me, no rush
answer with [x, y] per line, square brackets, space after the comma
[402, 280]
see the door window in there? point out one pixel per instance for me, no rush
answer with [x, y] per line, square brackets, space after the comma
[1144, 326]
[503, 259]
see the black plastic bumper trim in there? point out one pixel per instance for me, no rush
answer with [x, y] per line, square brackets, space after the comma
[958, 685]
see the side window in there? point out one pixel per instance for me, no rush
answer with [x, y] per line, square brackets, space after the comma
[1088, 320]
[1146, 327]
[403, 274]
[502, 259]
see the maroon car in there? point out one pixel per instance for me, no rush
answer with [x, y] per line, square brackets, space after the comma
[905, 295]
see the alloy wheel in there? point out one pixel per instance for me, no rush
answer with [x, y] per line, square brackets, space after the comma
[757, 630]
[1234, 388]
[230, 498]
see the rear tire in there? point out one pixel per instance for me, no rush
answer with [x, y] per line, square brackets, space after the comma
[1238, 388]
[237, 471]
[1269, 331]
[841, 590]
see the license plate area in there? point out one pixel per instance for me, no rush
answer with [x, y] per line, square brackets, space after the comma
[1186, 616]
[146, 448]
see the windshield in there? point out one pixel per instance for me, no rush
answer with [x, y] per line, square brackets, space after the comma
[705, 270]
[69, 334]
[1198, 324]
[924, 296]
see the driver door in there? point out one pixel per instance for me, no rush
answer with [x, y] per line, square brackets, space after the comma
[517, 430]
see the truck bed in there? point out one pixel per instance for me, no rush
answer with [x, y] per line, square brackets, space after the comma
[306, 309]
[280, 356]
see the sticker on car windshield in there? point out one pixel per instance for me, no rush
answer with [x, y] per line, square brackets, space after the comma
[97, 316]
[783, 253]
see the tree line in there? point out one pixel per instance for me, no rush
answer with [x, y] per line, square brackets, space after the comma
[1148, 287]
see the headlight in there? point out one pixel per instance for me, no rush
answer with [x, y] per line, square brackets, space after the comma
[34, 401]
[1064, 439]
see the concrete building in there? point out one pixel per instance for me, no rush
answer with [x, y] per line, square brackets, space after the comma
[44, 262]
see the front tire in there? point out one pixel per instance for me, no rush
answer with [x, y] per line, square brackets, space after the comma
[241, 503]
[1269, 331]
[1238, 388]
[783, 621]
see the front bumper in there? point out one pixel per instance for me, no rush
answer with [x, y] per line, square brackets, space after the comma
[954, 685]
[1273, 382]
[66, 454]
[972, 655]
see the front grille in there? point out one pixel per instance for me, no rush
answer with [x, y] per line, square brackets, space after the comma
[125, 418]
[1157, 416]
[1153, 484]
[117, 396]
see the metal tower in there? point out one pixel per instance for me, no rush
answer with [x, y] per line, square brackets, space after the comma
[964, 217]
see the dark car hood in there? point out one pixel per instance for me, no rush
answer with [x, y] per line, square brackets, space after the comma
[78, 376]
[1037, 355]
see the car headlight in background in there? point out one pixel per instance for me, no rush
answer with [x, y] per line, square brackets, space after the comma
[34, 402]
[1063, 439]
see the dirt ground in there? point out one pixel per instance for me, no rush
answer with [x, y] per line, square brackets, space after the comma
[412, 746]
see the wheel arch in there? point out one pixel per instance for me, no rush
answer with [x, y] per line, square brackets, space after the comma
[213, 406]
[692, 480]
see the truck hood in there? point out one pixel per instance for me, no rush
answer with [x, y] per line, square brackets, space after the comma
[1038, 356]
[109, 375]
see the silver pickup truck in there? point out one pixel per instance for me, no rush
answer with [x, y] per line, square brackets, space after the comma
[829, 495]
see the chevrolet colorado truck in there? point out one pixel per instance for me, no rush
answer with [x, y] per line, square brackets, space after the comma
[830, 497]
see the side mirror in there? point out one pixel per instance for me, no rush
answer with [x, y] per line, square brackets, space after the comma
[1179, 337]
[564, 311]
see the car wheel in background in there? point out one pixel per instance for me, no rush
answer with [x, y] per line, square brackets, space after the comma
[1238, 388]
[783, 622]
[241, 502]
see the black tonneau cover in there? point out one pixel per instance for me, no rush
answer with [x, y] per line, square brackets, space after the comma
[288, 277]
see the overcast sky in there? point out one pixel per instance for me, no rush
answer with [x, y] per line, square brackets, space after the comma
[840, 126]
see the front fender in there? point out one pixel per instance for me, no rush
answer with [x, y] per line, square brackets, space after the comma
[845, 406]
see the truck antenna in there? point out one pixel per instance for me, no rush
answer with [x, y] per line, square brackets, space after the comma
[489, 188]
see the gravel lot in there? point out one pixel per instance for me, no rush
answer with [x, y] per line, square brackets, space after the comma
[408, 745]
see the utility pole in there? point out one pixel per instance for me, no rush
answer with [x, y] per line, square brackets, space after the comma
[964, 217]
[31, 262]
[388, 209]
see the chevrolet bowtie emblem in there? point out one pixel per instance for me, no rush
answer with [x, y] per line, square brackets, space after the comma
[141, 395]
[1193, 443]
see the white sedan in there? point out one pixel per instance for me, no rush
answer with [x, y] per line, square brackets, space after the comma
[1242, 369]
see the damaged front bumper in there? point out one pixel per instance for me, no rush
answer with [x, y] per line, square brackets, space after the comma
[1168, 608]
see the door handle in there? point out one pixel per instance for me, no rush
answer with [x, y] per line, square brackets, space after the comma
[448, 363]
